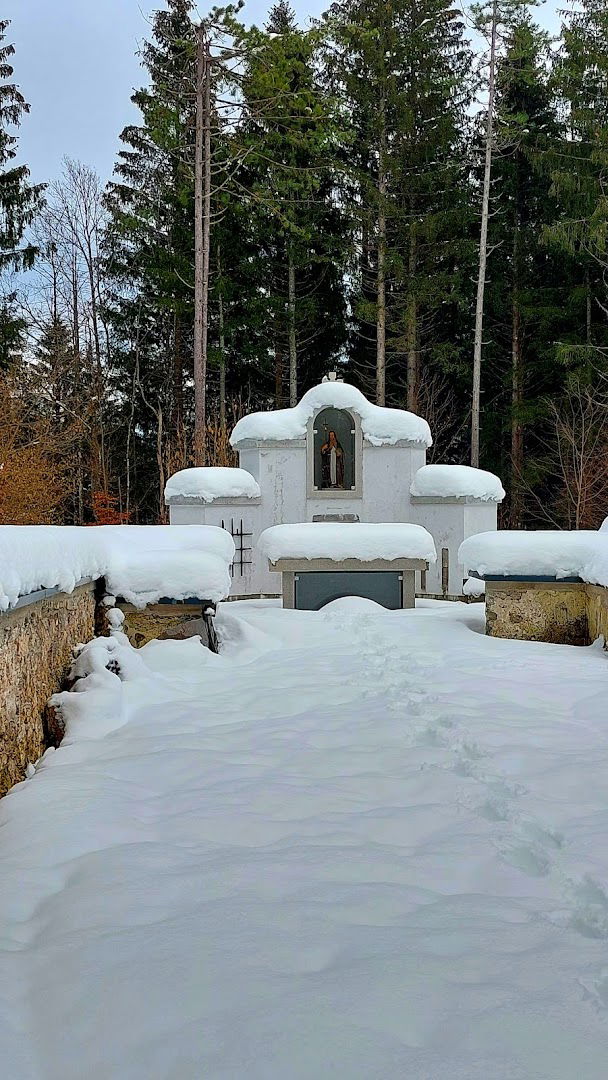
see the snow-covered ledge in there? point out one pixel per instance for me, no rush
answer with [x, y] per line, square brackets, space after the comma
[321, 561]
[456, 483]
[542, 586]
[212, 484]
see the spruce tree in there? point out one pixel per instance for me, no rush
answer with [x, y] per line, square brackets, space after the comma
[149, 254]
[525, 292]
[580, 175]
[19, 201]
[403, 71]
[290, 129]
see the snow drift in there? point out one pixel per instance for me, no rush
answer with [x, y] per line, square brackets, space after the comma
[374, 848]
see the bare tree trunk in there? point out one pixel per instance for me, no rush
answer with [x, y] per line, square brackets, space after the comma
[177, 411]
[517, 380]
[90, 260]
[79, 490]
[75, 309]
[413, 374]
[517, 431]
[291, 317]
[589, 308]
[221, 370]
[483, 245]
[381, 269]
[202, 233]
[278, 377]
[160, 463]
[222, 345]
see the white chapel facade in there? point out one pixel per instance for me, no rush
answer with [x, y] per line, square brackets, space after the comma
[335, 456]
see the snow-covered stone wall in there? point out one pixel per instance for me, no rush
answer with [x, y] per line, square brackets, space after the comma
[561, 612]
[36, 643]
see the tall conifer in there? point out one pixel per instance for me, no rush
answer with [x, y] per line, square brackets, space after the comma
[19, 200]
[403, 70]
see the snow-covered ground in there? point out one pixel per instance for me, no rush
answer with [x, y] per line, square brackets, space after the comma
[357, 844]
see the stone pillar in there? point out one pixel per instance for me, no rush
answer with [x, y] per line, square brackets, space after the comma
[553, 611]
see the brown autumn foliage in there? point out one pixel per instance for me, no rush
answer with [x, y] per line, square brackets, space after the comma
[106, 511]
[34, 462]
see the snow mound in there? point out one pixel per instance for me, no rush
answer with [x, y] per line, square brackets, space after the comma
[338, 541]
[582, 554]
[212, 483]
[474, 587]
[380, 426]
[141, 563]
[443, 481]
[354, 605]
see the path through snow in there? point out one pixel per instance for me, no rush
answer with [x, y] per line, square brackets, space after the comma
[363, 845]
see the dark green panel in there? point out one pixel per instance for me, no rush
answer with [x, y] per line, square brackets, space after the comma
[315, 589]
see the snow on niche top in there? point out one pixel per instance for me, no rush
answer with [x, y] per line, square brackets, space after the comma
[343, 540]
[552, 554]
[212, 483]
[457, 481]
[380, 426]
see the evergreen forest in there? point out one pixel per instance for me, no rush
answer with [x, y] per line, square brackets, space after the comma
[295, 199]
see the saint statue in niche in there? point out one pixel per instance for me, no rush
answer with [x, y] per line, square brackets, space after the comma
[332, 458]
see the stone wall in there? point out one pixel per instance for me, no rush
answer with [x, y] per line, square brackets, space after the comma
[36, 643]
[156, 620]
[597, 612]
[566, 613]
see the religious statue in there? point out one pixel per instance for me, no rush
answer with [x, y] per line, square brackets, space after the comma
[332, 463]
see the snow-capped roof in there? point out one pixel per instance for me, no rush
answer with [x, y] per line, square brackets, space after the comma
[142, 563]
[457, 481]
[581, 554]
[211, 483]
[341, 540]
[380, 426]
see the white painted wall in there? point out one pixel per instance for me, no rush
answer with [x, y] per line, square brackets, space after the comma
[449, 523]
[387, 473]
[223, 514]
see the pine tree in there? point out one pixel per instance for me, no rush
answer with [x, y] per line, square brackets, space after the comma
[525, 293]
[149, 253]
[403, 71]
[19, 201]
[290, 129]
[150, 250]
[580, 176]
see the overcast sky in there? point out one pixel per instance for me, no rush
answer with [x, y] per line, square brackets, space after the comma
[76, 64]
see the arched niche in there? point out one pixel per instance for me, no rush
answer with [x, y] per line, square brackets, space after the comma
[334, 454]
